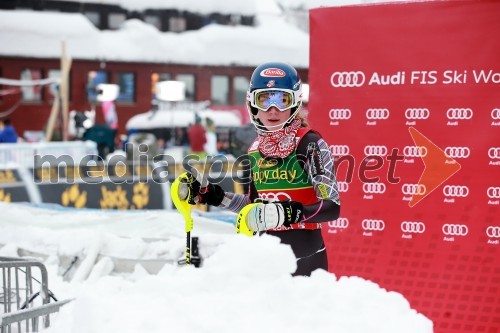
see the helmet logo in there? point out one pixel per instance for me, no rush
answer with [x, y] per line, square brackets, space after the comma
[270, 84]
[272, 72]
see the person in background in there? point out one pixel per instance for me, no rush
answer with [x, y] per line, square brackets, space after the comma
[211, 144]
[197, 137]
[8, 134]
[292, 177]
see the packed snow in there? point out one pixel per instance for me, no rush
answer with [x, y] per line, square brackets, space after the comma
[243, 284]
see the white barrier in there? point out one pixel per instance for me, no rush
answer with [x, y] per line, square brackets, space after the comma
[23, 154]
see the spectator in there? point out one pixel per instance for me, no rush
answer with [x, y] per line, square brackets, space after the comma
[211, 144]
[8, 133]
[197, 138]
[181, 138]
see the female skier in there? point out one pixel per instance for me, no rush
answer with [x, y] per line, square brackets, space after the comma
[292, 171]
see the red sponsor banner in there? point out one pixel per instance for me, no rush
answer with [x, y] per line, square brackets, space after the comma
[396, 89]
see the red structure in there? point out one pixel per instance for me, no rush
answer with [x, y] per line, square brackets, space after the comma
[33, 115]
[377, 71]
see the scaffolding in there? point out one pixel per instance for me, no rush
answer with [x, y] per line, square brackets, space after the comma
[25, 296]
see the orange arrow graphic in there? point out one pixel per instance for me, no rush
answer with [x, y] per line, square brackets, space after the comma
[438, 167]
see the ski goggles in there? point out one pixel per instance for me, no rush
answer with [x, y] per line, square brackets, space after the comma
[282, 99]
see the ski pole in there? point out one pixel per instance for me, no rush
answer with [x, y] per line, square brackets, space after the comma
[179, 197]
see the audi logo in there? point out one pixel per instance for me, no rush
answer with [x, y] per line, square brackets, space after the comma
[413, 227]
[462, 114]
[347, 79]
[271, 197]
[377, 114]
[342, 186]
[495, 114]
[415, 151]
[456, 191]
[457, 152]
[374, 225]
[493, 192]
[341, 223]
[340, 114]
[339, 150]
[413, 189]
[375, 150]
[378, 188]
[494, 152]
[455, 229]
[413, 113]
[493, 232]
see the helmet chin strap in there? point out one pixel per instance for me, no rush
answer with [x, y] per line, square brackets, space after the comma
[274, 128]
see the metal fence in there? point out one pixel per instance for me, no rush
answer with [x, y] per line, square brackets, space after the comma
[25, 296]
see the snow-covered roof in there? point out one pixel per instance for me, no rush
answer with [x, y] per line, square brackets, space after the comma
[38, 34]
[238, 7]
[181, 118]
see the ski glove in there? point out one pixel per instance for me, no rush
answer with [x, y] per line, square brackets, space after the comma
[190, 189]
[274, 215]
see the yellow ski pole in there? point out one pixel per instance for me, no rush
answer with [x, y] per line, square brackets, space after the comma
[182, 205]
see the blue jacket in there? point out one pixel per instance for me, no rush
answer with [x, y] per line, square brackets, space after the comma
[8, 135]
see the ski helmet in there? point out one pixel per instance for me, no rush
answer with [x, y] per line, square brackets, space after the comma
[274, 84]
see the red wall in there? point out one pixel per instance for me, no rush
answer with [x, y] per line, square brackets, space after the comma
[376, 71]
[34, 115]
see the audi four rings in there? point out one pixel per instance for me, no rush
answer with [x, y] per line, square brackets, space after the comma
[495, 114]
[415, 151]
[377, 114]
[339, 114]
[494, 152]
[375, 150]
[342, 186]
[493, 192]
[493, 231]
[347, 79]
[413, 189]
[459, 113]
[412, 227]
[457, 152]
[455, 229]
[341, 223]
[416, 113]
[456, 191]
[378, 188]
[373, 225]
[339, 150]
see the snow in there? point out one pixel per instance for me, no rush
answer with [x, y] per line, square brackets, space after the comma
[27, 33]
[244, 283]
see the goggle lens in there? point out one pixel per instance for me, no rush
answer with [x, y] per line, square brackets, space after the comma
[283, 100]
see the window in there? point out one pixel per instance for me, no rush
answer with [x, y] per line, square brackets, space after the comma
[220, 90]
[177, 24]
[93, 79]
[240, 86]
[51, 89]
[94, 17]
[154, 20]
[189, 80]
[31, 93]
[126, 81]
[115, 20]
[155, 78]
